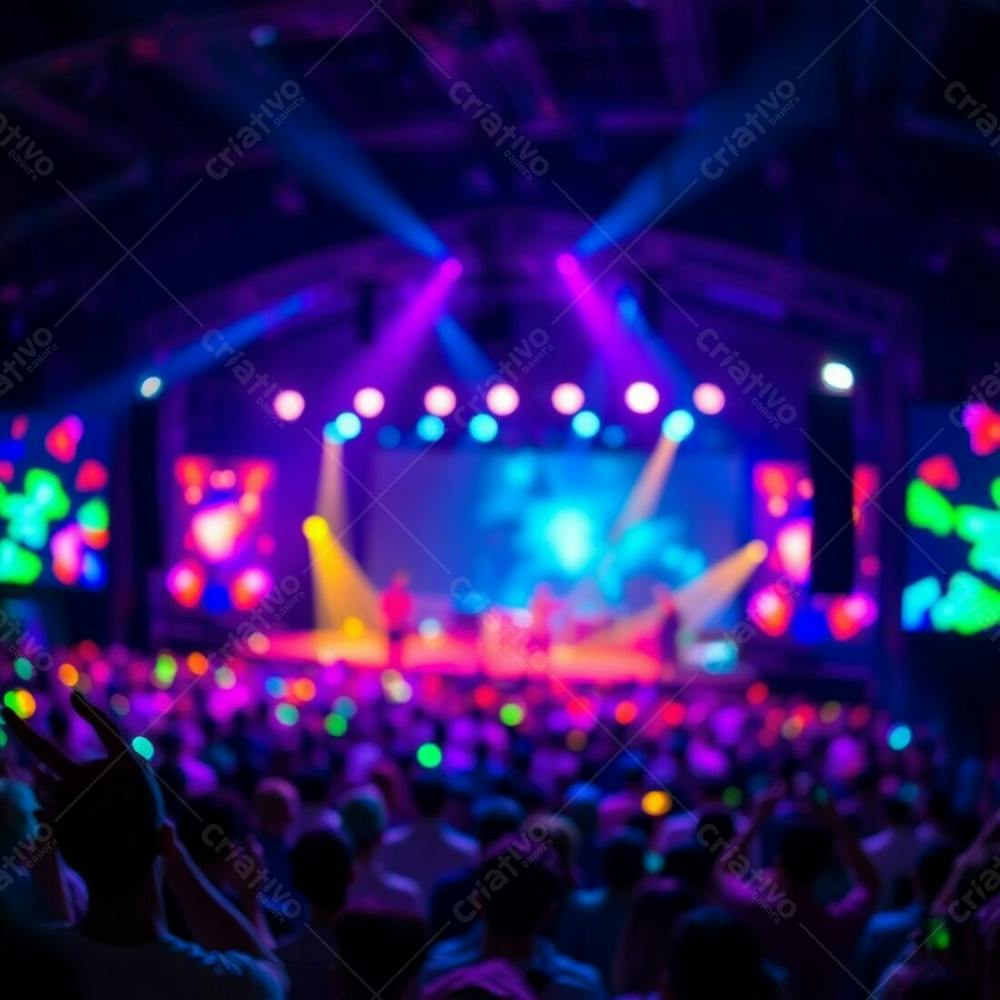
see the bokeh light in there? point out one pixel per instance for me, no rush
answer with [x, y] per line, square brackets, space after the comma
[677, 425]
[708, 398]
[502, 399]
[429, 755]
[315, 528]
[837, 377]
[369, 402]
[150, 387]
[430, 427]
[347, 425]
[642, 397]
[143, 747]
[511, 714]
[567, 264]
[483, 428]
[586, 424]
[899, 736]
[567, 398]
[440, 400]
[289, 405]
[656, 803]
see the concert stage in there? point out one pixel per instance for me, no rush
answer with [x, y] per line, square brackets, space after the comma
[470, 655]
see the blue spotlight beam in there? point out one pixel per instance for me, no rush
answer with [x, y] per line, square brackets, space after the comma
[464, 357]
[742, 123]
[310, 142]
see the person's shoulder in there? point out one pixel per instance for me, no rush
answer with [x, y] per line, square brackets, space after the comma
[249, 976]
[461, 842]
[568, 972]
[397, 835]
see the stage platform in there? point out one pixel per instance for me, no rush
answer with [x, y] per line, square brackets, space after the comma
[472, 656]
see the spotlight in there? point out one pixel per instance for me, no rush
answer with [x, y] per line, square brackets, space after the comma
[837, 377]
[440, 400]
[567, 398]
[345, 427]
[677, 425]
[451, 268]
[150, 387]
[289, 405]
[502, 399]
[430, 427]
[586, 424]
[368, 402]
[483, 428]
[567, 264]
[708, 398]
[642, 397]
[315, 528]
[757, 550]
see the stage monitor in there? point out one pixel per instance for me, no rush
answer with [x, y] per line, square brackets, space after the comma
[952, 520]
[54, 511]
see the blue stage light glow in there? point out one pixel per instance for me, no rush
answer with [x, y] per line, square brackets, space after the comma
[348, 425]
[614, 436]
[483, 428]
[570, 535]
[430, 428]
[677, 425]
[586, 424]
[388, 436]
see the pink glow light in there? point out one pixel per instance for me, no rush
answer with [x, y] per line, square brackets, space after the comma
[217, 529]
[440, 401]
[289, 405]
[568, 398]
[502, 399]
[709, 398]
[642, 397]
[368, 402]
[567, 264]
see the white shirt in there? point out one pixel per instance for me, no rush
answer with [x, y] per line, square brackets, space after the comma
[425, 851]
[165, 969]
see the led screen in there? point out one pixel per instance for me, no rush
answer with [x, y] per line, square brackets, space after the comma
[54, 516]
[952, 520]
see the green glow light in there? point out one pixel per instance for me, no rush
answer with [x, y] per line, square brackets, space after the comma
[335, 725]
[93, 515]
[23, 668]
[143, 747]
[164, 670]
[926, 508]
[511, 714]
[287, 715]
[429, 755]
[18, 565]
[970, 605]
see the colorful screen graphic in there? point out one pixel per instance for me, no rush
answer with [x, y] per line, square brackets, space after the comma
[780, 603]
[221, 541]
[53, 501]
[509, 520]
[953, 521]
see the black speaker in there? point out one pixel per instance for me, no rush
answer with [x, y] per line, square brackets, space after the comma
[831, 466]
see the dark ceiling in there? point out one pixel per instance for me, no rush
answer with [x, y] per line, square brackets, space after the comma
[897, 187]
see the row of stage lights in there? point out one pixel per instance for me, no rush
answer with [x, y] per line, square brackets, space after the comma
[502, 400]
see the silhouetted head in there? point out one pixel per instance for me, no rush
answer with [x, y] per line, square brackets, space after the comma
[805, 851]
[430, 795]
[713, 956]
[376, 947]
[623, 860]
[521, 886]
[322, 866]
[642, 952]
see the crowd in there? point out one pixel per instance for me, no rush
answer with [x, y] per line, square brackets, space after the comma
[174, 828]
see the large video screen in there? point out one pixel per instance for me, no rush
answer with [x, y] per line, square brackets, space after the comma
[781, 603]
[221, 540]
[509, 520]
[54, 516]
[953, 520]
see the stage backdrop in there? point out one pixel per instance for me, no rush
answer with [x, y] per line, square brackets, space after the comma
[508, 520]
[953, 519]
